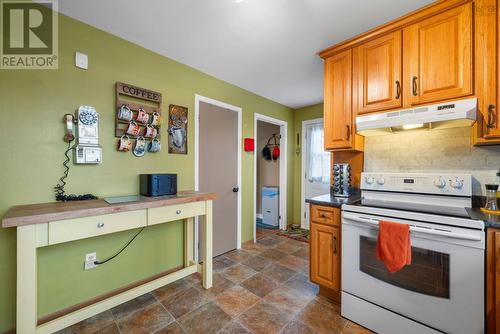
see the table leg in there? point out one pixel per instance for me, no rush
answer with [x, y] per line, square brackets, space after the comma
[188, 241]
[207, 244]
[26, 280]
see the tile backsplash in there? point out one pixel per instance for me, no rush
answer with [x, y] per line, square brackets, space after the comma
[426, 151]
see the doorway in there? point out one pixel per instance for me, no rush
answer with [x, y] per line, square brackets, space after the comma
[270, 175]
[315, 166]
[218, 169]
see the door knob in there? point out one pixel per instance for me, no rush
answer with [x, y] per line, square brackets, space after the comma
[236, 189]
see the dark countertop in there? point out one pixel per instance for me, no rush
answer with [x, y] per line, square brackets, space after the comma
[489, 220]
[336, 202]
[475, 212]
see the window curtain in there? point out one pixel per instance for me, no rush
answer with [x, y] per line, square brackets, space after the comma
[318, 169]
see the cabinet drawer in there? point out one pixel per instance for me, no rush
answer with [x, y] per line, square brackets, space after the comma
[175, 212]
[325, 215]
[80, 228]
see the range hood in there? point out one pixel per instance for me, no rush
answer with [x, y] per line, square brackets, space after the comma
[437, 116]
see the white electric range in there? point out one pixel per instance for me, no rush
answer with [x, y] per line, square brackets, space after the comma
[442, 291]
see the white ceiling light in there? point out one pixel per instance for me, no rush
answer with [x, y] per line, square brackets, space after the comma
[413, 126]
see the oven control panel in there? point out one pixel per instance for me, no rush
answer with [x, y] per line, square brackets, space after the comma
[423, 183]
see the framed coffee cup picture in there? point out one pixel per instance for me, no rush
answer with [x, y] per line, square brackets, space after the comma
[177, 129]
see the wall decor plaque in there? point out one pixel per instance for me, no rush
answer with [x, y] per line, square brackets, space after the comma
[177, 129]
[138, 112]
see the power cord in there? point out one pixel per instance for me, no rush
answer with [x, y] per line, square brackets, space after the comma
[59, 188]
[121, 250]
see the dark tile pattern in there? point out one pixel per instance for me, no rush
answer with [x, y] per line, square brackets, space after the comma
[300, 282]
[173, 328]
[262, 288]
[90, 325]
[278, 273]
[207, 319]
[238, 273]
[264, 318]
[236, 300]
[322, 317]
[296, 327]
[269, 241]
[288, 300]
[273, 254]
[147, 320]
[184, 301]
[234, 328]
[260, 285]
[221, 263]
[302, 252]
[129, 307]
[257, 263]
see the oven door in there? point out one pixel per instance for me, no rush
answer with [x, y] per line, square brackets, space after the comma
[443, 288]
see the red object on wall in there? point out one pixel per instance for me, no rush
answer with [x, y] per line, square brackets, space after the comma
[276, 152]
[249, 145]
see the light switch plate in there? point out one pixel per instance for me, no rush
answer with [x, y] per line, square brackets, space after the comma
[81, 60]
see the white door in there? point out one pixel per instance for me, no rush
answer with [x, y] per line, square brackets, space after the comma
[316, 165]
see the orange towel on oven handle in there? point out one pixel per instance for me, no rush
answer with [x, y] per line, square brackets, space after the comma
[394, 245]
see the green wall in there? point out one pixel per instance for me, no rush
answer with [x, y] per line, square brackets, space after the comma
[303, 114]
[32, 104]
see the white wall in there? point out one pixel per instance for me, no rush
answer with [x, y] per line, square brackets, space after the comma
[446, 150]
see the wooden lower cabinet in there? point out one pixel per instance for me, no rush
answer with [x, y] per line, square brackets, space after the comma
[493, 281]
[325, 247]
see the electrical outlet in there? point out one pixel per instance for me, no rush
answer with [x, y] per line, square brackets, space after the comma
[90, 258]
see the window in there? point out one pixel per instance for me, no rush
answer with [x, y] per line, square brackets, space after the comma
[318, 167]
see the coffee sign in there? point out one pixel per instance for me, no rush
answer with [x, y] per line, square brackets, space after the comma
[138, 92]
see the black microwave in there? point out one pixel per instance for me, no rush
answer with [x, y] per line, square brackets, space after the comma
[158, 184]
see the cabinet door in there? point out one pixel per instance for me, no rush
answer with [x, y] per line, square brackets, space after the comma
[325, 256]
[337, 101]
[377, 73]
[487, 77]
[437, 57]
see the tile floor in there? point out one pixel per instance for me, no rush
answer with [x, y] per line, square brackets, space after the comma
[262, 288]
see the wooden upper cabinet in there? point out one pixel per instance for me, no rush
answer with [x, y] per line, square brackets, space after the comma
[337, 101]
[325, 255]
[487, 77]
[377, 73]
[438, 57]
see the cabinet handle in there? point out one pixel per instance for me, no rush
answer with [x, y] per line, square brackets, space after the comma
[100, 225]
[490, 125]
[334, 245]
[348, 131]
[178, 212]
[414, 86]
[398, 90]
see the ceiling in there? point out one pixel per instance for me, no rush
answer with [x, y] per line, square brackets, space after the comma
[265, 46]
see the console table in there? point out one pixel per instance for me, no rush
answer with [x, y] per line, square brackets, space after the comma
[43, 225]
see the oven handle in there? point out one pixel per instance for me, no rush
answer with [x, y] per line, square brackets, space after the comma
[414, 228]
